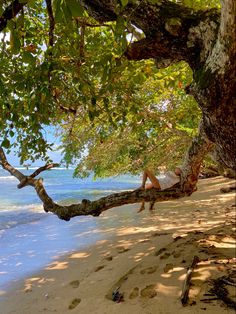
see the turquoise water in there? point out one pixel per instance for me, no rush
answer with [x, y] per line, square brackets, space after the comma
[31, 238]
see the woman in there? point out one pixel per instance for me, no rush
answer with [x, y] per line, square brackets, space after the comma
[165, 182]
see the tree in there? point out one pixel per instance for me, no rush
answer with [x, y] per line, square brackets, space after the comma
[71, 78]
[205, 39]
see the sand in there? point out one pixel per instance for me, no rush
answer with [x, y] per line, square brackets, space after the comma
[145, 262]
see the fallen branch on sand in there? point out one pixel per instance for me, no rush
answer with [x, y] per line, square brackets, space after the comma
[220, 289]
[186, 286]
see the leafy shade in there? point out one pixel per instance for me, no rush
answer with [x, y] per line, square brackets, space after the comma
[77, 79]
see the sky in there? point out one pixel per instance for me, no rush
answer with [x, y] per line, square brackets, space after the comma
[55, 155]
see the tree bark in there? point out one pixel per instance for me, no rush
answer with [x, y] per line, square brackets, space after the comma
[198, 149]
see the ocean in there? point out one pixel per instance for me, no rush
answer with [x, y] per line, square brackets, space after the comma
[31, 238]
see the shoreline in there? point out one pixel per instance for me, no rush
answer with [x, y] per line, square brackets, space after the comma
[146, 256]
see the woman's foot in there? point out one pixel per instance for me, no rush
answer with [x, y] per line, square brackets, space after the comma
[141, 209]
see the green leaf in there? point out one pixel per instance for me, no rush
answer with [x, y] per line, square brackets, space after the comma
[27, 57]
[15, 42]
[124, 2]
[58, 15]
[6, 143]
[11, 133]
[75, 8]
[120, 26]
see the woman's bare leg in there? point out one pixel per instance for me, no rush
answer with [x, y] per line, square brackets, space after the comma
[149, 175]
[154, 183]
[142, 207]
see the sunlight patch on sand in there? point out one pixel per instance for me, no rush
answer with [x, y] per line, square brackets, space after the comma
[58, 265]
[80, 255]
[167, 290]
[127, 231]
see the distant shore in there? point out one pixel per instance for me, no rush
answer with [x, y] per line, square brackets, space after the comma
[145, 257]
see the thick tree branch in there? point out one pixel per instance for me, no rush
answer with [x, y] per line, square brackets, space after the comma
[164, 52]
[46, 167]
[196, 153]
[4, 163]
[166, 25]
[86, 207]
[51, 22]
[10, 12]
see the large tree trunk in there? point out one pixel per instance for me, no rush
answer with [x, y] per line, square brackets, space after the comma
[206, 40]
[198, 149]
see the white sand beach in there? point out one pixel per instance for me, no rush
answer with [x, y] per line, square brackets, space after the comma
[146, 259]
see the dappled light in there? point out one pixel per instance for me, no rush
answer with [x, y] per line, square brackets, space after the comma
[111, 89]
[130, 230]
[152, 252]
[167, 290]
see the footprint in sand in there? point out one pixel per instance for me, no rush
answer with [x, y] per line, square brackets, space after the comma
[158, 234]
[148, 270]
[74, 283]
[99, 268]
[165, 255]
[74, 303]
[177, 254]
[159, 252]
[108, 258]
[168, 267]
[134, 293]
[177, 238]
[122, 249]
[149, 292]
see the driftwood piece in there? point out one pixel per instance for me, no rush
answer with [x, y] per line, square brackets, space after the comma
[220, 289]
[186, 285]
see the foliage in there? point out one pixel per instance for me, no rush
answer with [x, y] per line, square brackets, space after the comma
[199, 4]
[113, 115]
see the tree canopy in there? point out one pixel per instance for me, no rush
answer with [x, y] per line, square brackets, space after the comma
[61, 67]
[125, 83]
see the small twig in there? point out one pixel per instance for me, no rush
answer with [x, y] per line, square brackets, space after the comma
[227, 282]
[209, 299]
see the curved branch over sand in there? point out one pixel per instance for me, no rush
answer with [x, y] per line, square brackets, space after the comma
[86, 207]
[197, 151]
